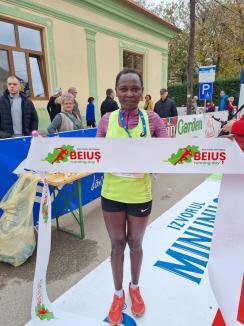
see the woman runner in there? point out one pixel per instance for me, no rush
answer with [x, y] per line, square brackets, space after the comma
[126, 198]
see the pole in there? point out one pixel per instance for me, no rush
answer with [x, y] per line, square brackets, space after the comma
[190, 66]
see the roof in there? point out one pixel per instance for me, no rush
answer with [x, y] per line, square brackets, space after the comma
[150, 14]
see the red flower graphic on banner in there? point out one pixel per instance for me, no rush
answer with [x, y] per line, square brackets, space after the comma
[45, 212]
[59, 154]
[41, 311]
[184, 155]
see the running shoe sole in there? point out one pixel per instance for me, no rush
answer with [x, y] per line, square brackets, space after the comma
[138, 314]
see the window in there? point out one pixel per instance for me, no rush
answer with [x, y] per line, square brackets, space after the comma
[21, 54]
[133, 60]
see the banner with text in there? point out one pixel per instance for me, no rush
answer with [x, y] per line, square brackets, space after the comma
[195, 125]
[158, 155]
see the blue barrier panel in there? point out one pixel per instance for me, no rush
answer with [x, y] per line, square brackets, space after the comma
[14, 150]
[76, 133]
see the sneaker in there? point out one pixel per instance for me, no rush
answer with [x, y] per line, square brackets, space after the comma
[137, 303]
[115, 313]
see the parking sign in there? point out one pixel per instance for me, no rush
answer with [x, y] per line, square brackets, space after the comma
[206, 91]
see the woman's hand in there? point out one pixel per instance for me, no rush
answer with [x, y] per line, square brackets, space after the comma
[229, 125]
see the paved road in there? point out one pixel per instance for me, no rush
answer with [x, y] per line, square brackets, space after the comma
[72, 258]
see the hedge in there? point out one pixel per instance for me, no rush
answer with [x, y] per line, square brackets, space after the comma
[230, 86]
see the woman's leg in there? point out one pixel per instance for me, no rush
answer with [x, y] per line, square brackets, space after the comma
[116, 226]
[135, 233]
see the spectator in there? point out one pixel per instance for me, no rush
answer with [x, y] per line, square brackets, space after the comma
[223, 101]
[53, 108]
[66, 120]
[109, 104]
[231, 107]
[210, 107]
[18, 115]
[73, 91]
[148, 104]
[165, 107]
[236, 127]
[90, 113]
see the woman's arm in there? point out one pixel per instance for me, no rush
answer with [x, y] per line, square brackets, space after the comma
[55, 124]
[103, 125]
[157, 128]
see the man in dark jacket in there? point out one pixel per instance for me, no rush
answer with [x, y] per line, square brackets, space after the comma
[165, 107]
[54, 108]
[18, 115]
[109, 104]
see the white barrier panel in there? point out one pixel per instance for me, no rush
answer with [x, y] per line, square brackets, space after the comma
[226, 264]
[212, 127]
[159, 155]
[174, 278]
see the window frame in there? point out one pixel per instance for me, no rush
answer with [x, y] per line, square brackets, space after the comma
[28, 53]
[134, 54]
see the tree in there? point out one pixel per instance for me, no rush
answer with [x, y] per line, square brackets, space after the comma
[219, 36]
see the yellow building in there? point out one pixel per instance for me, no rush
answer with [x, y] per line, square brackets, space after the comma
[81, 43]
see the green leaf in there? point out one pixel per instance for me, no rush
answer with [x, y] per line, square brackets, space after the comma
[52, 156]
[68, 147]
[184, 155]
[175, 157]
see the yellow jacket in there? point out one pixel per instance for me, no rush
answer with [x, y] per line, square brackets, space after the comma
[148, 106]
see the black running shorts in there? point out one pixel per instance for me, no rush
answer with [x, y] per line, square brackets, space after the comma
[139, 210]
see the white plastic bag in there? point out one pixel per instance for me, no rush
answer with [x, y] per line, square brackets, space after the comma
[17, 238]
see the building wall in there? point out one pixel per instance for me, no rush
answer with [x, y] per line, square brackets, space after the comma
[108, 64]
[84, 47]
[71, 57]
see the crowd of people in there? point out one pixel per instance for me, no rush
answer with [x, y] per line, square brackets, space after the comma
[18, 116]
[226, 103]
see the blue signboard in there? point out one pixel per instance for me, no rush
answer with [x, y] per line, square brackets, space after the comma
[207, 74]
[206, 91]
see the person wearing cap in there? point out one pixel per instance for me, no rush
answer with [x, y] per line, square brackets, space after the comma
[165, 107]
[76, 111]
[53, 108]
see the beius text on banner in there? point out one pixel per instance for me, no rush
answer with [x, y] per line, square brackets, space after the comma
[226, 264]
[149, 155]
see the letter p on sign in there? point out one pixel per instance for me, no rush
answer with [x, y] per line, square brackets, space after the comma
[205, 91]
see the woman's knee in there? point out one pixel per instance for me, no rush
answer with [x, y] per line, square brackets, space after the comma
[118, 246]
[135, 244]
